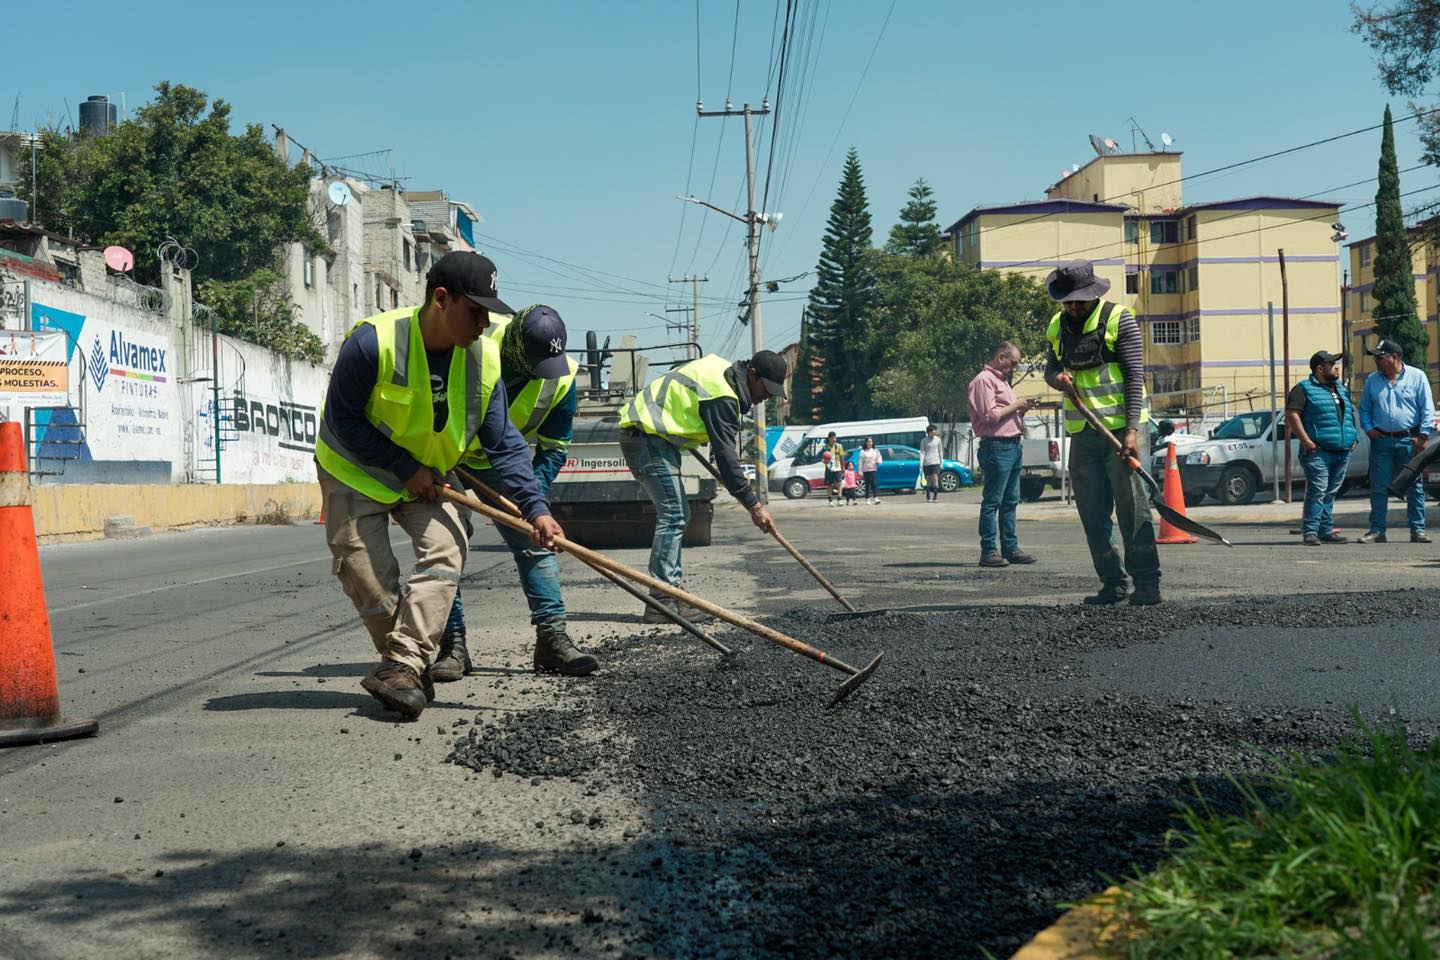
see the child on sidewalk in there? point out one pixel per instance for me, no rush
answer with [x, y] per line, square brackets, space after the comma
[848, 484]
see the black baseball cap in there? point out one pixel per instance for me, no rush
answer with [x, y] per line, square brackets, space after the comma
[1387, 347]
[771, 368]
[1322, 356]
[470, 274]
[544, 334]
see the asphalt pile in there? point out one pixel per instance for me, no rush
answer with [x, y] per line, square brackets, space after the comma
[949, 807]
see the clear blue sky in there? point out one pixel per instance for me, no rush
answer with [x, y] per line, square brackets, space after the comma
[569, 125]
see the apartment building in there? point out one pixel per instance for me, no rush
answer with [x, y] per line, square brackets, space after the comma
[1360, 303]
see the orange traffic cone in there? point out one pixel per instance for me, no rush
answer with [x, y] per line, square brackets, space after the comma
[29, 693]
[1175, 500]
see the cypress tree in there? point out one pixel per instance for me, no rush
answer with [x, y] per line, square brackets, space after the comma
[802, 398]
[1394, 290]
[843, 299]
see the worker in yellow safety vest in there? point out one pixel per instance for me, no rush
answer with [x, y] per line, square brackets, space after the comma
[540, 382]
[698, 403]
[1095, 350]
[410, 390]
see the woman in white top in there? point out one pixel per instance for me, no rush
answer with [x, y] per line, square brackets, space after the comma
[870, 461]
[930, 457]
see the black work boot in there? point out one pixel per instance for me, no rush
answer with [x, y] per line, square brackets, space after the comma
[554, 651]
[1145, 595]
[397, 686]
[453, 660]
[1109, 595]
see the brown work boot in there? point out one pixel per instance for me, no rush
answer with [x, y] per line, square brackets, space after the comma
[557, 653]
[398, 686]
[693, 614]
[453, 660]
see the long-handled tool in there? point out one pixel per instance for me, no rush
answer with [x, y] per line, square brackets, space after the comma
[1157, 498]
[857, 676]
[674, 615]
[780, 538]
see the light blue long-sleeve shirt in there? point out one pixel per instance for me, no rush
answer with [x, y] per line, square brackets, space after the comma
[1406, 405]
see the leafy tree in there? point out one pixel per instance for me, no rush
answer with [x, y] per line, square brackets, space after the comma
[843, 300]
[176, 170]
[939, 322]
[1394, 291]
[257, 308]
[802, 396]
[916, 234]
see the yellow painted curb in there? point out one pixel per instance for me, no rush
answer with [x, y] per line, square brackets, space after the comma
[78, 511]
[1084, 933]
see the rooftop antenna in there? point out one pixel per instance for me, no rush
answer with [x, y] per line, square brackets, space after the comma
[1136, 128]
[1167, 140]
[15, 114]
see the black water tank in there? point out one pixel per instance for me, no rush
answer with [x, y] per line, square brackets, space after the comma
[98, 116]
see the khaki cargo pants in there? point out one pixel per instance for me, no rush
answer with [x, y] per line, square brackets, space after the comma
[405, 623]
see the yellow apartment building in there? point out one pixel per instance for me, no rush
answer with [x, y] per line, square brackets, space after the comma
[1360, 304]
[1198, 276]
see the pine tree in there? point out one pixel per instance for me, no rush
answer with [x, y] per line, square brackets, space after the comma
[843, 299]
[1394, 291]
[917, 234]
[802, 397]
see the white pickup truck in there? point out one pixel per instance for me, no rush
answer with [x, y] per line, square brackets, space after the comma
[1237, 461]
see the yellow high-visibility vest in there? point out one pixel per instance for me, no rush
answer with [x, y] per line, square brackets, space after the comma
[1095, 368]
[529, 407]
[670, 406]
[401, 408]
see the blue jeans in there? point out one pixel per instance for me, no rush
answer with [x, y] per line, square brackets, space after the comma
[1324, 473]
[539, 575]
[1388, 455]
[1104, 485]
[656, 464]
[1000, 466]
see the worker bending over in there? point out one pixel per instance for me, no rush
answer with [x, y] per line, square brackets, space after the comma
[410, 390]
[540, 382]
[698, 403]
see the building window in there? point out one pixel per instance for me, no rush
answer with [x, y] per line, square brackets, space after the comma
[394, 299]
[1165, 333]
[1192, 329]
[1365, 255]
[1132, 231]
[407, 255]
[1164, 231]
[1194, 278]
[1164, 281]
[1132, 283]
[1190, 227]
[1166, 381]
[379, 303]
[1364, 301]
[307, 267]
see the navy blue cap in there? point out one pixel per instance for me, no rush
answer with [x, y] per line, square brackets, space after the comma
[544, 335]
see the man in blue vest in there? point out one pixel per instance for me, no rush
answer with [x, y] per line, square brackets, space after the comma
[1321, 416]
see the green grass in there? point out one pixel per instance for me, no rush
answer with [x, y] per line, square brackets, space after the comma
[1336, 860]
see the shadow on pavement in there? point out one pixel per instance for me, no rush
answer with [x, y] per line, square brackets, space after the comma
[359, 701]
[323, 670]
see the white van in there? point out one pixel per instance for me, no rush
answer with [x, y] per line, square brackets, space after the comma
[806, 471]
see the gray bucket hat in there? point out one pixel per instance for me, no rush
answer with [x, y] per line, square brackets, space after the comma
[1076, 280]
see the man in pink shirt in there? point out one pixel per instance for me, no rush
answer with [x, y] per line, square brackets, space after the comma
[996, 417]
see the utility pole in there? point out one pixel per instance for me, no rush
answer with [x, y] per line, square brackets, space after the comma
[752, 239]
[695, 282]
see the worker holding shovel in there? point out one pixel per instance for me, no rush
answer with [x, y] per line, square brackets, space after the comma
[1096, 359]
[695, 404]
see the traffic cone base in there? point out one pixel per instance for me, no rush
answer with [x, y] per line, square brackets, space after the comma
[1175, 500]
[29, 691]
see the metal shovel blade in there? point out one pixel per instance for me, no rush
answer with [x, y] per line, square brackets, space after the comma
[1172, 516]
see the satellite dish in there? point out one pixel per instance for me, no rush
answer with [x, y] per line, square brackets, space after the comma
[1064, 174]
[1098, 145]
[339, 193]
[1074, 168]
[1166, 139]
[1111, 146]
[119, 259]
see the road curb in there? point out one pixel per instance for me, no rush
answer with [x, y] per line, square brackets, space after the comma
[1086, 932]
[88, 511]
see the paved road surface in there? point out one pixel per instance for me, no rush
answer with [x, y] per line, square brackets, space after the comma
[246, 798]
